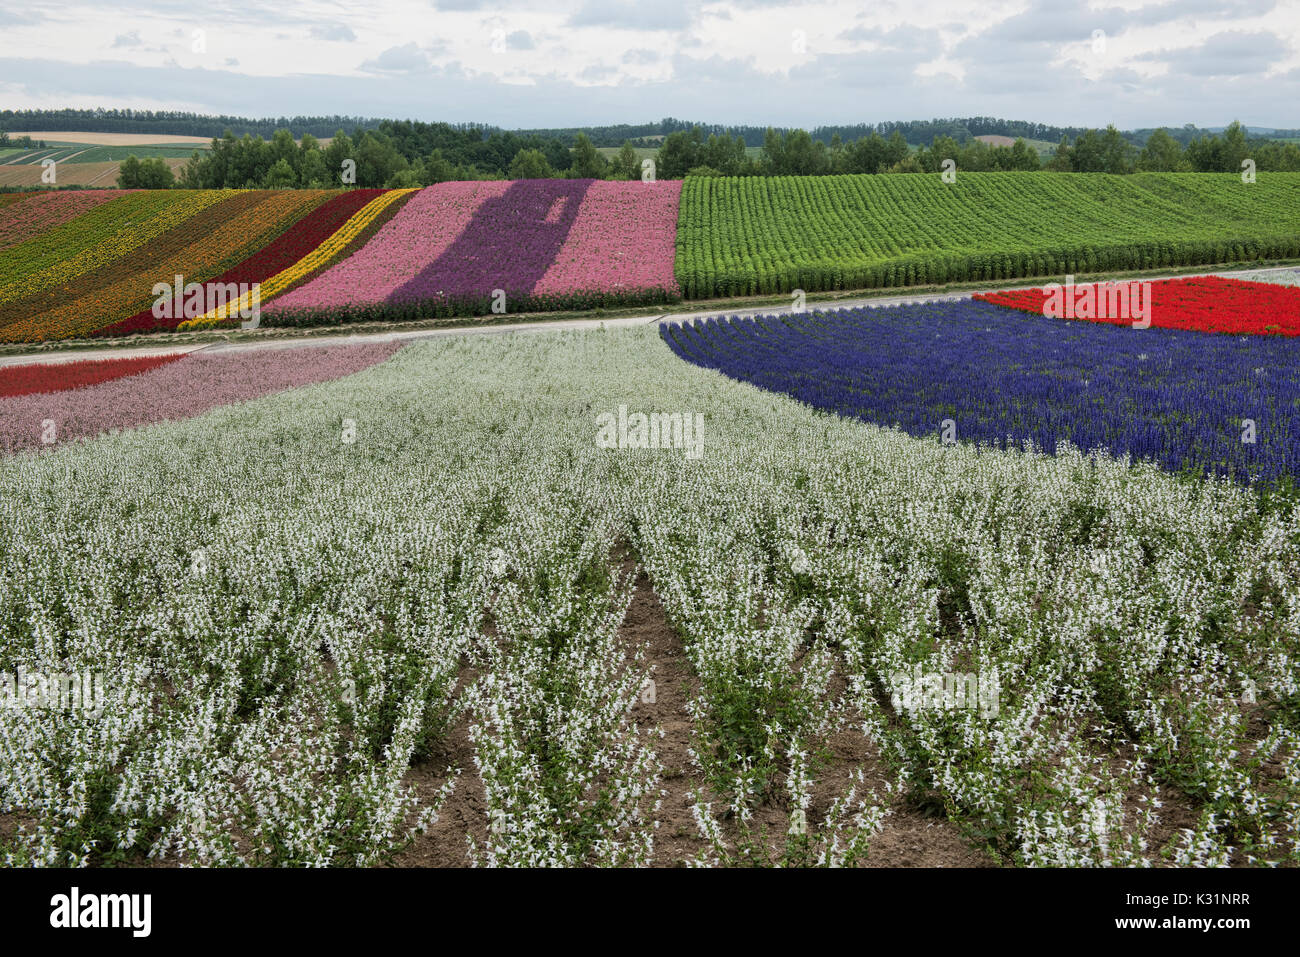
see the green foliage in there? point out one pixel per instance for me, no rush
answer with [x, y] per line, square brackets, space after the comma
[746, 236]
[587, 162]
[152, 173]
[530, 164]
[1162, 154]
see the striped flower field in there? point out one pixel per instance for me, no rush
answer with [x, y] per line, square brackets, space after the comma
[81, 265]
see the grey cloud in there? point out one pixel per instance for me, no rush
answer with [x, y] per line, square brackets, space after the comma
[16, 18]
[131, 39]
[1176, 10]
[408, 58]
[519, 40]
[633, 15]
[333, 32]
[1231, 53]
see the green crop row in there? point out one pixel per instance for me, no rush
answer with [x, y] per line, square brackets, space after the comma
[762, 235]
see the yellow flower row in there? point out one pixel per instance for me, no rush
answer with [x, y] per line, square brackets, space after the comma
[318, 257]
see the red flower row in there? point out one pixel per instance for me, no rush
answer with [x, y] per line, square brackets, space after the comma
[1201, 303]
[62, 376]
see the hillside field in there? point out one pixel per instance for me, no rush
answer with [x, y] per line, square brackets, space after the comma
[74, 267]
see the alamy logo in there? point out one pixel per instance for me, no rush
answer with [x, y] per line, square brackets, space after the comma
[182, 300]
[134, 911]
[1099, 300]
[658, 430]
[944, 691]
[53, 692]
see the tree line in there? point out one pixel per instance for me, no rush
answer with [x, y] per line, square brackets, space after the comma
[173, 122]
[406, 153]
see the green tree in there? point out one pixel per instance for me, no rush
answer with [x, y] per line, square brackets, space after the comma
[1117, 154]
[437, 169]
[679, 152]
[794, 154]
[626, 163]
[378, 160]
[284, 148]
[1235, 147]
[280, 176]
[724, 153]
[154, 173]
[1062, 160]
[1022, 156]
[587, 161]
[1161, 154]
[339, 150]
[942, 148]
[311, 168]
[531, 164]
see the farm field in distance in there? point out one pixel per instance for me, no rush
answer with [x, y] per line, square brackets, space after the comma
[91, 159]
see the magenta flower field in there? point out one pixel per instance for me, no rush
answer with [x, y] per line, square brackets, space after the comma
[178, 390]
[623, 237]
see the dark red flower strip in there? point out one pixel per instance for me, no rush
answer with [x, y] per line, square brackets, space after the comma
[292, 245]
[1199, 303]
[39, 377]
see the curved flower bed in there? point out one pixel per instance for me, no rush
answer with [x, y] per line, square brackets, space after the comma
[42, 377]
[176, 391]
[334, 247]
[97, 238]
[547, 244]
[197, 249]
[420, 233]
[1219, 404]
[1200, 304]
[624, 237]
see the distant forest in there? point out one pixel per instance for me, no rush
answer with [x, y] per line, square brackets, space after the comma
[915, 132]
[287, 153]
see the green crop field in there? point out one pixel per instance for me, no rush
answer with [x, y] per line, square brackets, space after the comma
[115, 154]
[748, 236]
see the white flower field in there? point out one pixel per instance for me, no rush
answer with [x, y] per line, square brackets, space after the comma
[1074, 660]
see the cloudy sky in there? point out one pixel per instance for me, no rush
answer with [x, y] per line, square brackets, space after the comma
[529, 63]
